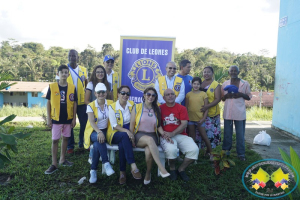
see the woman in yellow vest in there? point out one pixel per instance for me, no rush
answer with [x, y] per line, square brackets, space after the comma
[95, 131]
[118, 132]
[98, 76]
[145, 124]
[213, 91]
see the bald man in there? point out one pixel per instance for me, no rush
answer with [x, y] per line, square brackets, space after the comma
[174, 122]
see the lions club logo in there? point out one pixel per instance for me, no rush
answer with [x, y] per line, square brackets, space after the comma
[71, 97]
[143, 73]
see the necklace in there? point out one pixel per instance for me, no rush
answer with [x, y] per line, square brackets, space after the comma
[104, 111]
[149, 113]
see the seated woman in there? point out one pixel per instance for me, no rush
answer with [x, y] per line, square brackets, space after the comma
[145, 120]
[118, 132]
[98, 76]
[95, 131]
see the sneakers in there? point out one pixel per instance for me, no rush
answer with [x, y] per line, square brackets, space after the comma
[183, 176]
[93, 178]
[108, 170]
[51, 169]
[242, 158]
[66, 163]
[173, 175]
[70, 151]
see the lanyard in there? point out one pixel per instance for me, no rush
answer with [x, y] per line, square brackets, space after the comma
[75, 73]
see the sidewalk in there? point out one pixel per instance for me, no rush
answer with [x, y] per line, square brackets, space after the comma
[278, 139]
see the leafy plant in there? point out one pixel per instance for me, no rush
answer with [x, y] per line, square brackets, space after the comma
[221, 162]
[293, 160]
[8, 141]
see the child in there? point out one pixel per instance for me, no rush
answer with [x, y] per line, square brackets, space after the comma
[194, 102]
[61, 106]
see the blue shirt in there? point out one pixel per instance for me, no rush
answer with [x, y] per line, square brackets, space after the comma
[188, 85]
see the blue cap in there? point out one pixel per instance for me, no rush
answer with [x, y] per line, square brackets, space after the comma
[231, 89]
[108, 57]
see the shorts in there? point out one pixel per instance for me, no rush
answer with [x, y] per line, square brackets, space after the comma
[196, 123]
[60, 129]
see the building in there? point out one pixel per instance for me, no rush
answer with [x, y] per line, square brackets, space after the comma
[286, 109]
[28, 94]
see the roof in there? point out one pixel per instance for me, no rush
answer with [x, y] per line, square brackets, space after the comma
[22, 86]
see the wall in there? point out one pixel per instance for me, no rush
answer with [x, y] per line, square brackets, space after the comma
[36, 101]
[17, 99]
[1, 99]
[286, 110]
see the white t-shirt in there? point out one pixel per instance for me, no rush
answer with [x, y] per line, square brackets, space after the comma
[102, 114]
[110, 79]
[125, 112]
[90, 86]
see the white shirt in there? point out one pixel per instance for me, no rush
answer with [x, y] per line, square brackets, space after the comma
[110, 79]
[170, 84]
[90, 86]
[102, 114]
[125, 112]
[74, 76]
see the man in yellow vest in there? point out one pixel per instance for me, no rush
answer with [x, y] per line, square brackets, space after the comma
[112, 76]
[77, 76]
[172, 82]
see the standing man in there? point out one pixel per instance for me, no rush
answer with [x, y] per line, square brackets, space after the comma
[235, 111]
[78, 76]
[172, 82]
[185, 68]
[112, 76]
[174, 119]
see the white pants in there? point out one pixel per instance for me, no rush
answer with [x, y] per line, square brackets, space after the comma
[184, 143]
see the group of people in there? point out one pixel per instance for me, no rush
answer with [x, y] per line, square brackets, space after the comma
[177, 102]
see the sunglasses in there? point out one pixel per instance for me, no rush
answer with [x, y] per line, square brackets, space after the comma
[101, 92]
[110, 61]
[174, 68]
[149, 94]
[123, 93]
[169, 94]
[102, 72]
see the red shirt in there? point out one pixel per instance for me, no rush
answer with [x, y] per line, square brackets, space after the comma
[171, 117]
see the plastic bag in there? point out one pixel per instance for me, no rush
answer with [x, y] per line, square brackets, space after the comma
[81, 180]
[263, 138]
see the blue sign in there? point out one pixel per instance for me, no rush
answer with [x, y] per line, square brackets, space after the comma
[143, 61]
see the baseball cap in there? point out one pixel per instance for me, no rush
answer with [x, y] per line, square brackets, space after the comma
[99, 87]
[108, 57]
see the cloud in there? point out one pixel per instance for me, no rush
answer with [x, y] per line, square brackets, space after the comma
[272, 6]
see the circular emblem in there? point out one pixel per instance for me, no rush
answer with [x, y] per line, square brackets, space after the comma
[211, 89]
[143, 73]
[269, 179]
[71, 97]
[177, 88]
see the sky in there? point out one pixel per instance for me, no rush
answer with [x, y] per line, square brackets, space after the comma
[238, 26]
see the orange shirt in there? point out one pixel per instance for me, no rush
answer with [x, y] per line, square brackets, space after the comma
[235, 109]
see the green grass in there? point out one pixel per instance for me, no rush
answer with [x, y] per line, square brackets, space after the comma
[28, 180]
[22, 111]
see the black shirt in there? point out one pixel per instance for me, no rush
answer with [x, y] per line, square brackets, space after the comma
[63, 115]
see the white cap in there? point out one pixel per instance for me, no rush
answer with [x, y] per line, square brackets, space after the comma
[99, 87]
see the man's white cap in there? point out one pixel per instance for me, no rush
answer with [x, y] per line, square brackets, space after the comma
[99, 87]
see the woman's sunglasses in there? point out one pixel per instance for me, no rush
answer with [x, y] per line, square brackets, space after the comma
[101, 92]
[123, 93]
[149, 94]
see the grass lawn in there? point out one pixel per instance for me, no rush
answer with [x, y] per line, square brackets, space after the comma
[28, 181]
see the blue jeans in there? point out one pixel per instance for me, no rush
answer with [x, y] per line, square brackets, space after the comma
[99, 149]
[240, 136]
[125, 148]
[82, 116]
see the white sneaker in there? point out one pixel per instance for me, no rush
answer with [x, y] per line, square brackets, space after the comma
[93, 178]
[108, 169]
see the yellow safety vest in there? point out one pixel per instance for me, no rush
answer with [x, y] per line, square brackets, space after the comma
[163, 85]
[115, 80]
[215, 110]
[88, 128]
[139, 108]
[55, 101]
[80, 84]
[119, 116]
